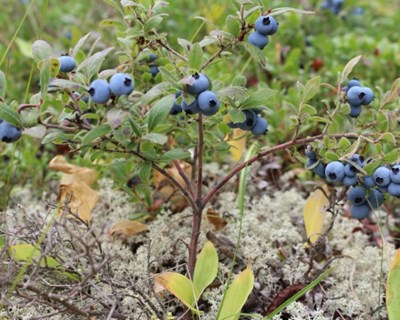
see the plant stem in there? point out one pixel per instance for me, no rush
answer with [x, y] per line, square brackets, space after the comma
[200, 159]
[184, 177]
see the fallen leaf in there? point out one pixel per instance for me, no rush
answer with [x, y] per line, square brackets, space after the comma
[314, 213]
[214, 218]
[79, 198]
[393, 288]
[238, 143]
[72, 173]
[127, 228]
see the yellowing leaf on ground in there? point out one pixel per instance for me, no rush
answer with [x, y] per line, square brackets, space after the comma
[393, 288]
[214, 218]
[80, 199]
[180, 286]
[127, 228]
[314, 214]
[236, 295]
[206, 268]
[72, 173]
[237, 142]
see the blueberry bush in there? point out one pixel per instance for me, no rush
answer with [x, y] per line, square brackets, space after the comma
[146, 86]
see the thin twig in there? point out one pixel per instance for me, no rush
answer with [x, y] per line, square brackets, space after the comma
[184, 177]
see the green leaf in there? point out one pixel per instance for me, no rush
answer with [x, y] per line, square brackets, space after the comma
[159, 112]
[44, 78]
[308, 109]
[10, 115]
[232, 25]
[206, 268]
[152, 23]
[180, 286]
[95, 133]
[278, 11]
[331, 156]
[233, 92]
[237, 295]
[259, 98]
[344, 143]
[25, 47]
[56, 137]
[392, 156]
[370, 168]
[311, 88]
[135, 127]
[393, 288]
[168, 76]
[318, 119]
[175, 154]
[195, 57]
[3, 84]
[145, 171]
[41, 50]
[93, 64]
[392, 94]
[157, 138]
[388, 137]
[255, 53]
[240, 81]
[80, 44]
[349, 68]
[237, 116]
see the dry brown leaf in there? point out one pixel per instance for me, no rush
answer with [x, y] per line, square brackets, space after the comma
[160, 180]
[72, 173]
[214, 218]
[79, 198]
[127, 228]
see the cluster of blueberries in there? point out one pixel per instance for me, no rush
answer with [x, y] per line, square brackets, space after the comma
[367, 191]
[333, 5]
[358, 96]
[265, 26]
[9, 133]
[253, 122]
[206, 102]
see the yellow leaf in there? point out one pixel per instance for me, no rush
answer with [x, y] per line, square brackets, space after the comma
[79, 198]
[393, 288]
[314, 214]
[236, 295]
[180, 286]
[238, 143]
[206, 268]
[127, 228]
[71, 172]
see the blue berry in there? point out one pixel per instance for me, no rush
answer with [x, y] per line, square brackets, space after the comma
[355, 96]
[154, 71]
[382, 177]
[99, 91]
[311, 154]
[350, 181]
[360, 212]
[261, 126]
[175, 109]
[266, 25]
[67, 63]
[375, 198]
[191, 108]
[319, 170]
[353, 83]
[394, 189]
[395, 173]
[9, 133]
[357, 196]
[258, 39]
[334, 172]
[359, 160]
[250, 121]
[336, 6]
[369, 96]
[350, 170]
[121, 84]
[200, 84]
[368, 181]
[208, 103]
[152, 57]
[311, 163]
[355, 111]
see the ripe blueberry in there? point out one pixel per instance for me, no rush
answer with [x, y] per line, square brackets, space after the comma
[350, 170]
[353, 83]
[319, 170]
[261, 126]
[355, 96]
[382, 177]
[375, 198]
[368, 181]
[395, 173]
[258, 39]
[394, 189]
[200, 84]
[191, 108]
[357, 196]
[336, 5]
[121, 84]
[360, 212]
[355, 111]
[350, 181]
[99, 91]
[67, 63]
[266, 25]
[9, 133]
[334, 172]
[154, 71]
[208, 103]
[250, 121]
[152, 57]
[311, 154]
[369, 96]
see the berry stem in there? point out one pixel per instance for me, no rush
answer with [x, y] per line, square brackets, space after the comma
[184, 177]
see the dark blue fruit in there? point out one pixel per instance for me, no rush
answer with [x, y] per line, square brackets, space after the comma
[359, 160]
[200, 84]
[99, 91]
[319, 170]
[311, 154]
[334, 172]
[395, 174]
[266, 25]
[9, 133]
[208, 103]
[355, 111]
[350, 170]
[360, 212]
[369, 96]
[336, 6]
[357, 196]
[191, 108]
[368, 181]
[258, 39]
[250, 121]
[382, 177]
[154, 71]
[350, 181]
[121, 84]
[152, 57]
[355, 96]
[375, 198]
[353, 83]
[67, 63]
[261, 126]
[394, 189]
